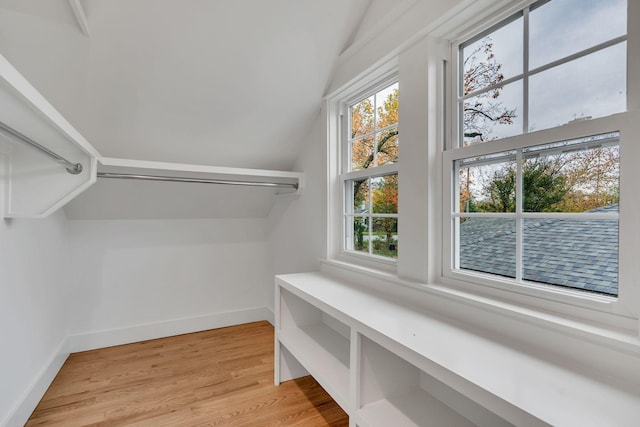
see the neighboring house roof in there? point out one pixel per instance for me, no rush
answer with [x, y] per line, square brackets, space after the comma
[580, 254]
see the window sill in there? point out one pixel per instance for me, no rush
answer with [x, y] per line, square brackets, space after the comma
[618, 338]
[368, 262]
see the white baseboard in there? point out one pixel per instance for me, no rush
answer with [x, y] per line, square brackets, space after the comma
[32, 395]
[148, 331]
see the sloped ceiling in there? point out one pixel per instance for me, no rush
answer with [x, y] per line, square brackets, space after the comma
[218, 82]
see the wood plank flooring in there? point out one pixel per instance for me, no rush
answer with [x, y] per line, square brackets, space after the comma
[211, 378]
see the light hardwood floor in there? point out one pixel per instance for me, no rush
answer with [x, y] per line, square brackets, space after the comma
[217, 377]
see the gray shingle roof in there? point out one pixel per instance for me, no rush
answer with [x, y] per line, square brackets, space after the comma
[580, 254]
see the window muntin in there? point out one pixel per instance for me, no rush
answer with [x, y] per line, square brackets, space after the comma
[370, 175]
[546, 41]
[372, 217]
[546, 214]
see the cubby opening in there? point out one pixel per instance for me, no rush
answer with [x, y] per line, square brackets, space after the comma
[320, 343]
[394, 392]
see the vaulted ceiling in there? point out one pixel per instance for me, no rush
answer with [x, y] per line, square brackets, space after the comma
[218, 82]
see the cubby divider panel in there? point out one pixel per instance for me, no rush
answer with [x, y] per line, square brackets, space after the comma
[317, 341]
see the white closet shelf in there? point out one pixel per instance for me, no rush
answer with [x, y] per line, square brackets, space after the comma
[154, 193]
[35, 185]
[36, 140]
[292, 182]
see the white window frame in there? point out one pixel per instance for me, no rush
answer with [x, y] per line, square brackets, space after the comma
[547, 296]
[347, 175]
[374, 172]
[338, 156]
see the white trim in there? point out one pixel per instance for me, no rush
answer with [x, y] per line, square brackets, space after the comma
[580, 216]
[81, 16]
[34, 99]
[373, 132]
[372, 215]
[338, 147]
[372, 172]
[166, 328]
[569, 131]
[28, 401]
[111, 164]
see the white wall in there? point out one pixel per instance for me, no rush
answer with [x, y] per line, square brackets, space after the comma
[141, 279]
[33, 311]
[43, 41]
[383, 41]
[67, 286]
[296, 238]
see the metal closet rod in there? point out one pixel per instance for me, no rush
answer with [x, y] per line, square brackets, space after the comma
[72, 168]
[196, 180]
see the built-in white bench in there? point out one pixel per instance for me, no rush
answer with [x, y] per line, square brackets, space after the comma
[388, 363]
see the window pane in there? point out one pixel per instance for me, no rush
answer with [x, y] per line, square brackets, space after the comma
[362, 153]
[387, 106]
[492, 58]
[573, 253]
[385, 237]
[362, 118]
[360, 229]
[492, 115]
[488, 245]
[488, 184]
[384, 194]
[573, 176]
[360, 194]
[562, 28]
[588, 87]
[387, 147]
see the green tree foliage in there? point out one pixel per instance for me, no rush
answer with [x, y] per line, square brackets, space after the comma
[594, 179]
[543, 188]
[385, 200]
[502, 192]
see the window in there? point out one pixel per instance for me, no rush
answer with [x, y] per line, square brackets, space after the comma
[546, 66]
[370, 174]
[533, 168]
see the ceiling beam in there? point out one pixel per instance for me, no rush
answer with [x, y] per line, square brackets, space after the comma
[80, 15]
